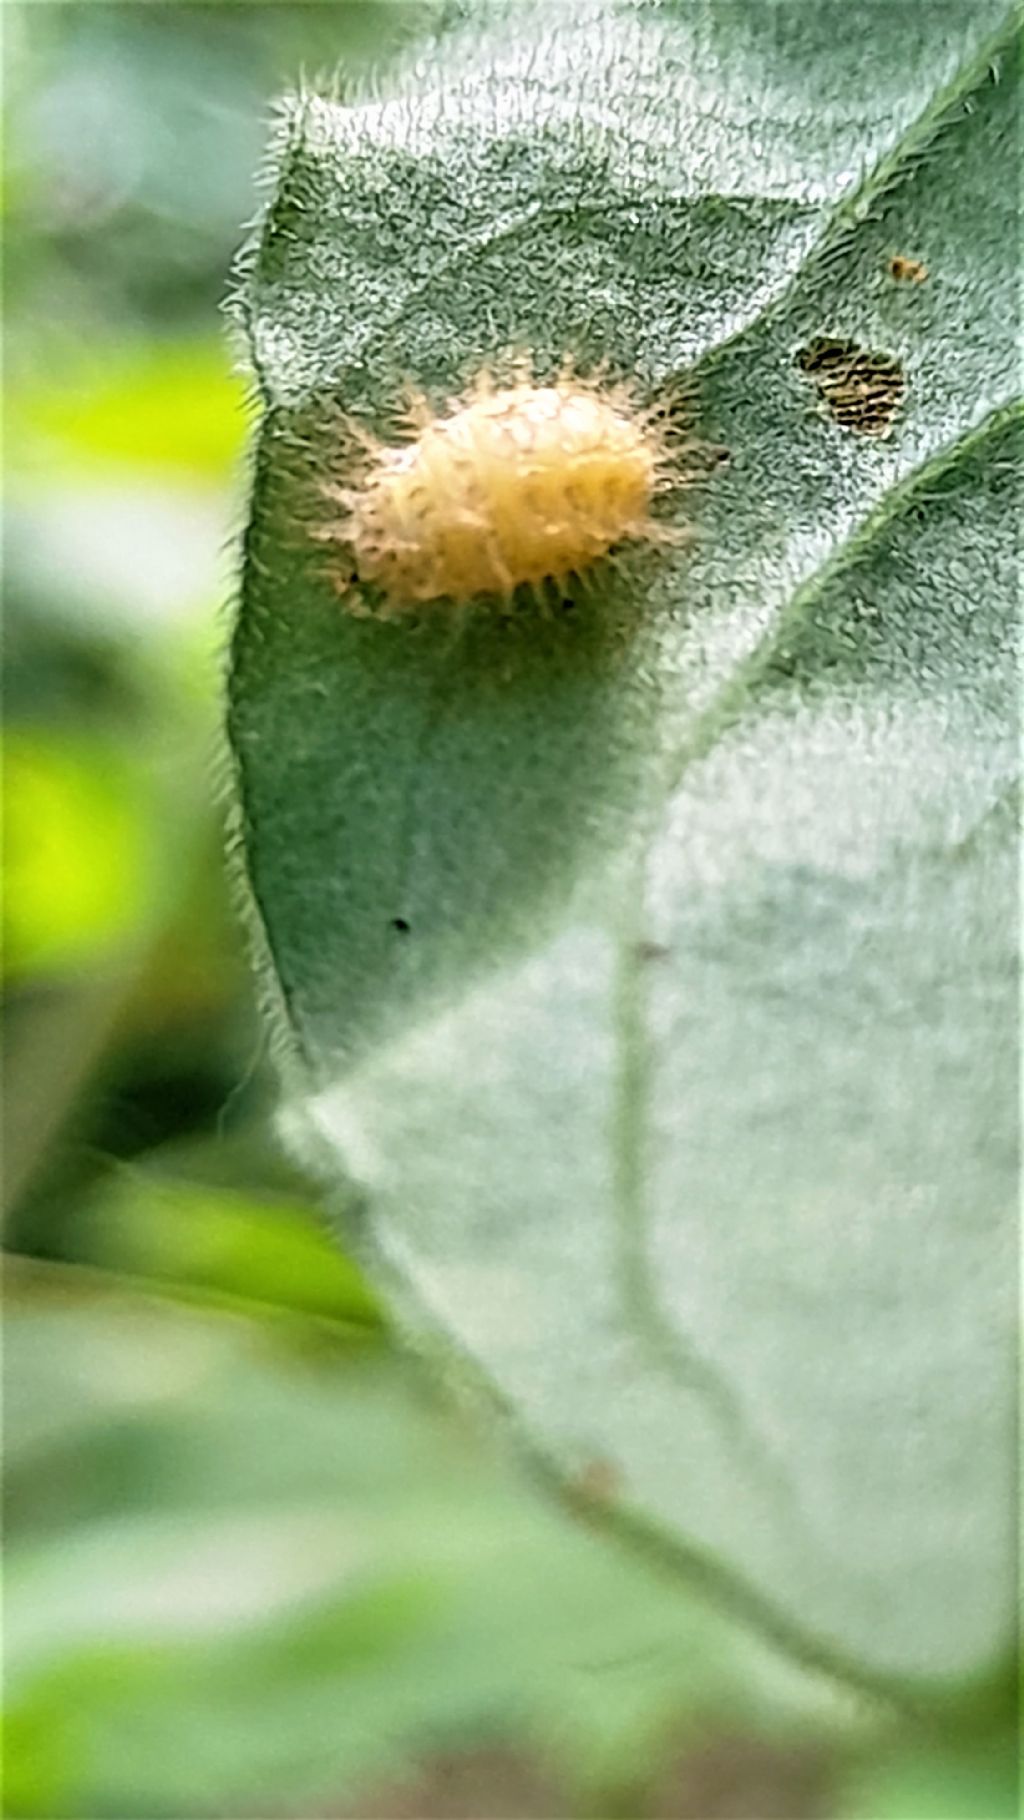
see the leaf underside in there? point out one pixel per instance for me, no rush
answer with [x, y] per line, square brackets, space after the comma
[648, 962]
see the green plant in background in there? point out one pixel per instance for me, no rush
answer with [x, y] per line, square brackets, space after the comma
[254, 1564]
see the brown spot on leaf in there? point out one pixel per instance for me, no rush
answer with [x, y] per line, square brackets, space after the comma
[906, 270]
[861, 388]
[599, 1480]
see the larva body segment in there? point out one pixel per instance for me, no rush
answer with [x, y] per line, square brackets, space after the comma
[511, 486]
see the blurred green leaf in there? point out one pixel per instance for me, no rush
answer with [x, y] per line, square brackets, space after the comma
[156, 406]
[133, 137]
[127, 560]
[981, 1782]
[82, 859]
[650, 964]
[238, 1579]
[208, 1241]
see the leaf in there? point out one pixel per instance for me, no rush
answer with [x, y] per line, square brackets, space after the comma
[977, 1784]
[200, 1241]
[649, 966]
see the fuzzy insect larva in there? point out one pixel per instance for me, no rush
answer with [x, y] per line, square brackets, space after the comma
[510, 485]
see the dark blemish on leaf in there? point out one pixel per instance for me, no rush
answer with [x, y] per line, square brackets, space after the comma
[906, 270]
[597, 1481]
[399, 923]
[651, 951]
[861, 388]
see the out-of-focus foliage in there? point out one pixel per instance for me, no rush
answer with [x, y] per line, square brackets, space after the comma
[262, 1577]
[171, 407]
[255, 1564]
[80, 852]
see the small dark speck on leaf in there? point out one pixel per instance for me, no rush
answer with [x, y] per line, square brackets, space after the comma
[399, 923]
[651, 951]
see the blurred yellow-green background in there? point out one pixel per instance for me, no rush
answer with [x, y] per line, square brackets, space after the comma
[257, 1563]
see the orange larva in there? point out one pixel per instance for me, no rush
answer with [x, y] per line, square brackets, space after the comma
[508, 486]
